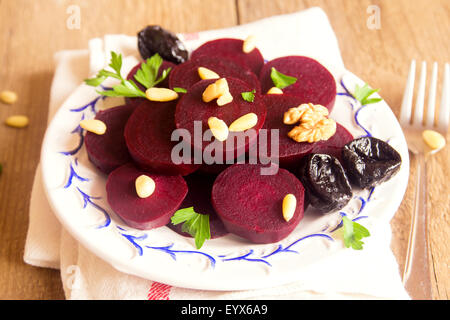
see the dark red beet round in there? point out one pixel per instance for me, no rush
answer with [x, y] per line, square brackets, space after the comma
[335, 144]
[148, 137]
[231, 49]
[199, 197]
[250, 204]
[163, 84]
[191, 108]
[109, 150]
[144, 213]
[186, 74]
[290, 151]
[315, 84]
[212, 169]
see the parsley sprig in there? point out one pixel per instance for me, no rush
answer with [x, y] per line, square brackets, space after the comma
[249, 96]
[362, 94]
[147, 75]
[353, 233]
[281, 80]
[196, 224]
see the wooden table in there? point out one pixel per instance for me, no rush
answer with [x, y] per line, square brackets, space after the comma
[32, 31]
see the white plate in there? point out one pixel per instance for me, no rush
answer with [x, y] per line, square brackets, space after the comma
[76, 192]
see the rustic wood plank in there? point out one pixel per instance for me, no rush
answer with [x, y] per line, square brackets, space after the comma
[30, 33]
[382, 57]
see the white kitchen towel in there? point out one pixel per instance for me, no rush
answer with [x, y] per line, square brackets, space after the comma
[368, 274]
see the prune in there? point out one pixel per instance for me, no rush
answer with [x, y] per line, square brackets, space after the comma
[326, 184]
[370, 161]
[154, 39]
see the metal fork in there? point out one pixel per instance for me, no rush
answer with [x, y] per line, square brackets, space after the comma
[416, 275]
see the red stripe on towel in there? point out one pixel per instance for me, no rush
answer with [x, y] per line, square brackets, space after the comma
[158, 291]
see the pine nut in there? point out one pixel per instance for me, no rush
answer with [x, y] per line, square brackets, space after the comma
[249, 44]
[244, 123]
[205, 74]
[216, 90]
[275, 90]
[224, 99]
[8, 97]
[145, 186]
[211, 92]
[289, 206]
[218, 128]
[433, 139]
[161, 94]
[17, 121]
[94, 126]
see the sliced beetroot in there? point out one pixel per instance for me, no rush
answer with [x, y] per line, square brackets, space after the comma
[164, 84]
[191, 109]
[250, 204]
[144, 213]
[231, 49]
[186, 74]
[315, 84]
[212, 169]
[335, 144]
[109, 150]
[199, 197]
[289, 151]
[148, 137]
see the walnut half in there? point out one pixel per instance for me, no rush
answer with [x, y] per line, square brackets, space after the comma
[314, 124]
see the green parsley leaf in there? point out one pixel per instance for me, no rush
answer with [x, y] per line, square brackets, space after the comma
[281, 80]
[146, 75]
[125, 89]
[116, 62]
[353, 233]
[94, 82]
[163, 76]
[180, 90]
[249, 96]
[363, 93]
[196, 224]
[1, 168]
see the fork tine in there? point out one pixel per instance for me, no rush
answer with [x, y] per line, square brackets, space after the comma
[405, 113]
[418, 112]
[432, 96]
[444, 114]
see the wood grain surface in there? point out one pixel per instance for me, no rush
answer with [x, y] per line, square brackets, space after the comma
[32, 31]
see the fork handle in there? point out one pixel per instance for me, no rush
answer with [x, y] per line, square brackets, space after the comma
[416, 275]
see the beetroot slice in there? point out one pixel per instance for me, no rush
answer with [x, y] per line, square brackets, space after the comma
[148, 138]
[163, 84]
[315, 84]
[250, 204]
[186, 74]
[290, 151]
[191, 108]
[144, 213]
[212, 169]
[109, 150]
[199, 197]
[231, 49]
[335, 144]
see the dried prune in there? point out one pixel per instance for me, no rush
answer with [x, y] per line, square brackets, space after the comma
[326, 184]
[154, 39]
[369, 161]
